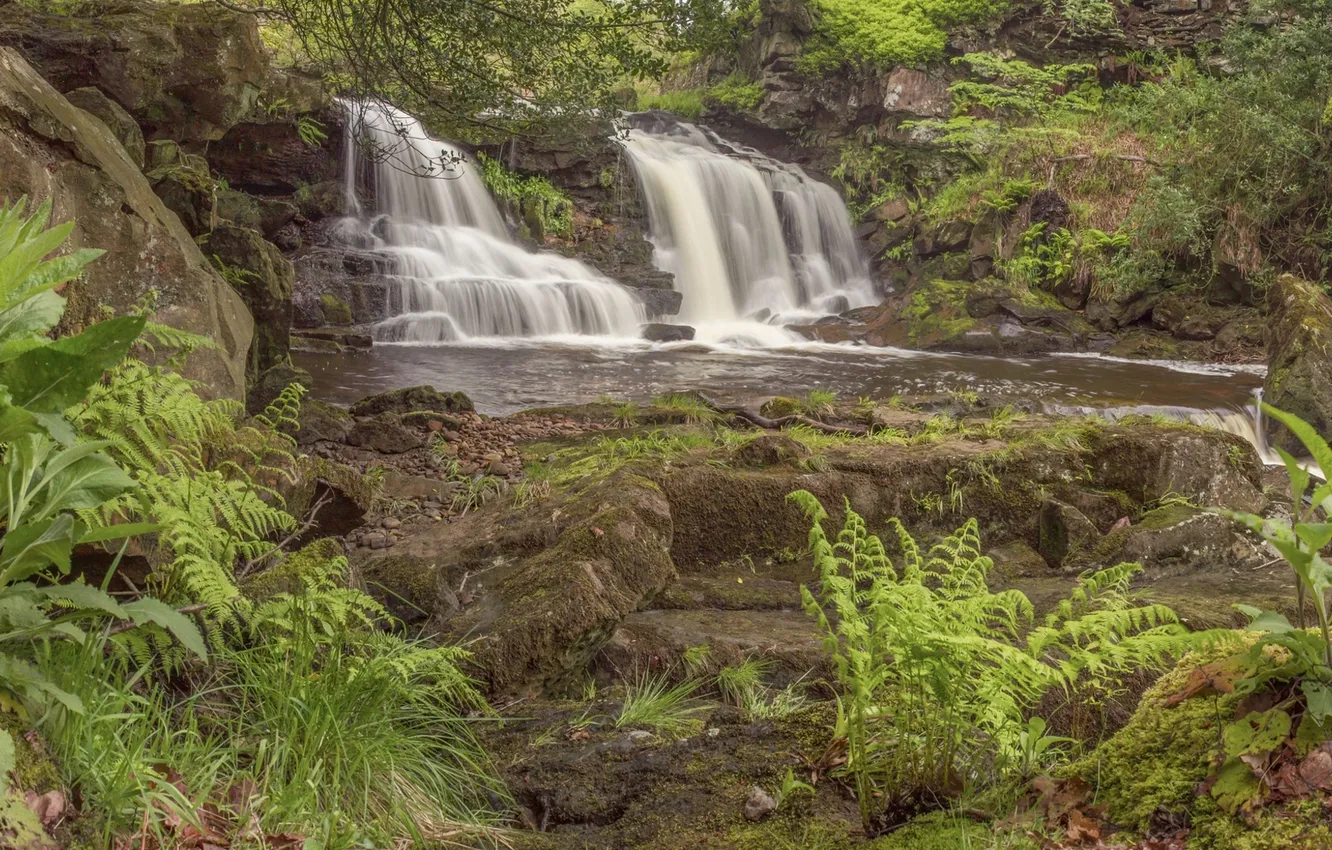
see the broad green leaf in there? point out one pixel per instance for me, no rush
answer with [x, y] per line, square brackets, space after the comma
[15, 422]
[116, 532]
[29, 318]
[19, 611]
[22, 677]
[50, 274]
[1317, 446]
[22, 260]
[33, 547]
[84, 596]
[1318, 700]
[86, 483]
[155, 611]
[56, 376]
[7, 761]
[1315, 535]
[1265, 621]
[1299, 476]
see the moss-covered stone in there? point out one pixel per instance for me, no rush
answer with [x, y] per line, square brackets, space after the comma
[291, 574]
[1155, 763]
[411, 399]
[1299, 363]
[935, 831]
[336, 311]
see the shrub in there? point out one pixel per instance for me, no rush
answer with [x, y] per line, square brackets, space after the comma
[937, 673]
[49, 477]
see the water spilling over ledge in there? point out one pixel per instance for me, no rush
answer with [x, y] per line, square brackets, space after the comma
[457, 274]
[751, 241]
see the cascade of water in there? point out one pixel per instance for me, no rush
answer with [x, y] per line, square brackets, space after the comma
[745, 235]
[458, 274]
[1246, 422]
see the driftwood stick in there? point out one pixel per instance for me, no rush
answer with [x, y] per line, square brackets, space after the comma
[756, 418]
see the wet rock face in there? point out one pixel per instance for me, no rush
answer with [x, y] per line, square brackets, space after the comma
[658, 332]
[52, 150]
[264, 281]
[411, 400]
[1299, 361]
[110, 113]
[185, 72]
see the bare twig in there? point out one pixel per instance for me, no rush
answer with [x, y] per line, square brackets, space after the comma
[780, 422]
[253, 564]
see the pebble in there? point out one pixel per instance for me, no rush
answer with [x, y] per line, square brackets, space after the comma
[759, 804]
[391, 522]
[378, 542]
[640, 737]
[713, 732]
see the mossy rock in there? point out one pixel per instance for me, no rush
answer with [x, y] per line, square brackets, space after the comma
[412, 399]
[336, 311]
[776, 408]
[1153, 766]
[291, 574]
[935, 831]
[1299, 364]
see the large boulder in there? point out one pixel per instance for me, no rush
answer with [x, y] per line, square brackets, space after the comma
[412, 400]
[264, 278]
[113, 115]
[52, 150]
[186, 72]
[1299, 358]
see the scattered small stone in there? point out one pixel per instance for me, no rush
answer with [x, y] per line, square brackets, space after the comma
[713, 732]
[391, 522]
[759, 804]
[378, 542]
[435, 425]
[640, 737]
[452, 436]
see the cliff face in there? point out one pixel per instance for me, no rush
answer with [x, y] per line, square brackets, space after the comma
[170, 114]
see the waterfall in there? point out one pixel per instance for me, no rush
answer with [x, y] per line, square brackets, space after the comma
[746, 236]
[457, 273]
[1245, 422]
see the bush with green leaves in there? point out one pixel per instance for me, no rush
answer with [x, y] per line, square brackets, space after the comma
[937, 674]
[347, 733]
[1301, 541]
[50, 477]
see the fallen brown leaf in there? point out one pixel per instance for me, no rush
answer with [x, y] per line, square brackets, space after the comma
[48, 807]
[1217, 677]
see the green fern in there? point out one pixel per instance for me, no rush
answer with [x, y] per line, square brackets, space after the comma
[938, 673]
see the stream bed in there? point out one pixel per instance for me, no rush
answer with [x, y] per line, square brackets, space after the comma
[509, 375]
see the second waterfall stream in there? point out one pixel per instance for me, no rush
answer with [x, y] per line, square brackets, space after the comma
[753, 243]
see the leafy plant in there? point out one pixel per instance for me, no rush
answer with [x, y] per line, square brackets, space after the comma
[1307, 655]
[552, 207]
[937, 673]
[49, 477]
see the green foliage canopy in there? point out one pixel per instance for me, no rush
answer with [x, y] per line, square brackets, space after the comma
[504, 66]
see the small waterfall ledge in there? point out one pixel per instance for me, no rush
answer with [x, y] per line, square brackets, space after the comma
[753, 243]
[455, 273]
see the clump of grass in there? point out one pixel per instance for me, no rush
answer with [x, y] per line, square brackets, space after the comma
[476, 492]
[653, 703]
[819, 404]
[625, 415]
[690, 407]
[740, 685]
[696, 659]
[530, 490]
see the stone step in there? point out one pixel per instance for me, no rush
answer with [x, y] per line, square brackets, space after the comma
[656, 641]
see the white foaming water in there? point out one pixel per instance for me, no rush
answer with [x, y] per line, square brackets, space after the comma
[748, 238]
[458, 274]
[1245, 422]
